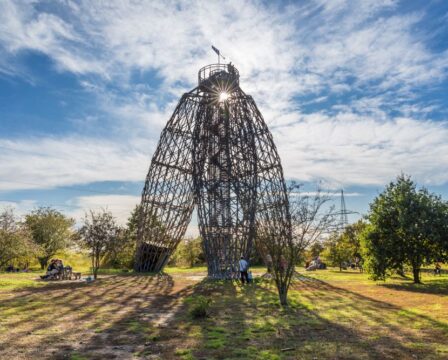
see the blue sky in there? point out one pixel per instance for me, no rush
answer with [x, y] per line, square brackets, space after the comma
[354, 92]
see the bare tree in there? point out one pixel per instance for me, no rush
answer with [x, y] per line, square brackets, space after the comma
[312, 216]
[8, 220]
[97, 234]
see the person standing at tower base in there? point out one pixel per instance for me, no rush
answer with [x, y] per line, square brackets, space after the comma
[244, 267]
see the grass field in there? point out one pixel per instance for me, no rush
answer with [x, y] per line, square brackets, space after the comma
[332, 315]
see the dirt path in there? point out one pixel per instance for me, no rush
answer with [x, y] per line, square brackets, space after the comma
[116, 317]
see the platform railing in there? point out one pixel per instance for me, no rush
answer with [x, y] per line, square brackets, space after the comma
[207, 71]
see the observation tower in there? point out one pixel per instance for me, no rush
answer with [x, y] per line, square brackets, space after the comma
[216, 154]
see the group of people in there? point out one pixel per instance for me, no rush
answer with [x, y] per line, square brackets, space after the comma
[55, 268]
[315, 264]
[11, 268]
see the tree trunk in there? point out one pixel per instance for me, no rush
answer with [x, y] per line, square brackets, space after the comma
[94, 272]
[400, 272]
[43, 262]
[416, 273]
[283, 295]
[97, 266]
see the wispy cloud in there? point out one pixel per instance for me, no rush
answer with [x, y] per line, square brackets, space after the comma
[363, 63]
[120, 206]
[20, 208]
[50, 162]
[326, 193]
[352, 150]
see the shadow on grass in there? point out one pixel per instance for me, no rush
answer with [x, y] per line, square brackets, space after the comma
[436, 287]
[394, 331]
[322, 321]
[52, 321]
[147, 317]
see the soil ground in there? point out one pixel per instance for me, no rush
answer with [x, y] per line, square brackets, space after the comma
[332, 315]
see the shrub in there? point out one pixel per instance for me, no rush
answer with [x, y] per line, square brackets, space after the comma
[200, 307]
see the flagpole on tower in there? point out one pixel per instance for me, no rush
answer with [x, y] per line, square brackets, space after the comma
[219, 54]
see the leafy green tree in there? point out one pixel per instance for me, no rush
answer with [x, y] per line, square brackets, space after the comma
[98, 234]
[344, 248]
[132, 225]
[189, 252]
[407, 227]
[16, 244]
[120, 253]
[116, 254]
[442, 248]
[50, 230]
[316, 249]
[338, 251]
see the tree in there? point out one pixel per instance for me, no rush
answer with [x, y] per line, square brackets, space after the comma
[345, 247]
[98, 234]
[189, 252]
[442, 247]
[338, 251]
[311, 218]
[315, 249]
[16, 245]
[121, 251]
[50, 230]
[407, 227]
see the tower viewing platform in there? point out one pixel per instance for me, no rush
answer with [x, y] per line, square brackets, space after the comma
[221, 75]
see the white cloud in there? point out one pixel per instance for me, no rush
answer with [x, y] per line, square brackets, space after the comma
[315, 48]
[50, 162]
[352, 150]
[326, 193]
[120, 206]
[294, 50]
[22, 28]
[20, 208]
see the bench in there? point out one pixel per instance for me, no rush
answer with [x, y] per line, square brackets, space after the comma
[67, 274]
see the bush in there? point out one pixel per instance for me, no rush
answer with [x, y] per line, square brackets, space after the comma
[189, 253]
[200, 307]
[16, 244]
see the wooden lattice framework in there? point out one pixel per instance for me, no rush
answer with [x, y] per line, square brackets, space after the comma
[215, 153]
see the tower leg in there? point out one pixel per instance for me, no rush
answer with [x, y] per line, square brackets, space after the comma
[167, 199]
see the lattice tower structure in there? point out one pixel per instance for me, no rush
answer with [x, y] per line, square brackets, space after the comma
[216, 154]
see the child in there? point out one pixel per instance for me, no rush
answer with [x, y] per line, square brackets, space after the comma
[249, 277]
